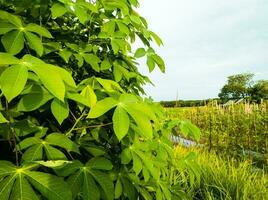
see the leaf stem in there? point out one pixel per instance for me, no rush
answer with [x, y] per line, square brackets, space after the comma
[75, 124]
[94, 126]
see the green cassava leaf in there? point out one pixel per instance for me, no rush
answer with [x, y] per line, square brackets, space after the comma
[118, 189]
[100, 163]
[38, 29]
[13, 42]
[65, 54]
[120, 122]
[150, 63]
[63, 141]
[3, 119]
[48, 75]
[13, 80]
[34, 42]
[22, 183]
[37, 97]
[102, 107]
[78, 98]
[90, 95]
[8, 59]
[49, 186]
[6, 27]
[142, 121]
[60, 110]
[58, 10]
[140, 53]
[189, 129]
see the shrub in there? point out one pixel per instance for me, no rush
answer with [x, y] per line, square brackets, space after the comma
[72, 122]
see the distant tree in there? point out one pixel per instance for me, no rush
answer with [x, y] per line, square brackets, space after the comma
[237, 86]
[259, 90]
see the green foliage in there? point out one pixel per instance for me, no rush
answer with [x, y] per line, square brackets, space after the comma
[226, 179]
[242, 86]
[259, 91]
[72, 122]
[237, 86]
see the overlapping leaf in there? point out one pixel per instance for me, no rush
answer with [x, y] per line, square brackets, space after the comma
[22, 183]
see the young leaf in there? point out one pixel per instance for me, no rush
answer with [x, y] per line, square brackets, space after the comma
[90, 95]
[13, 42]
[140, 53]
[60, 110]
[102, 107]
[120, 122]
[13, 80]
[150, 63]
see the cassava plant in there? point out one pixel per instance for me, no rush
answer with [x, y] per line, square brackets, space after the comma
[72, 122]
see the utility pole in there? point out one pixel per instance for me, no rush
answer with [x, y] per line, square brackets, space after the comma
[176, 105]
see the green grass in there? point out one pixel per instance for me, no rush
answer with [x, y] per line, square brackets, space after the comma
[227, 179]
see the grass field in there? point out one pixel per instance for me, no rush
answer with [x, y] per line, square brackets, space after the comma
[232, 154]
[226, 179]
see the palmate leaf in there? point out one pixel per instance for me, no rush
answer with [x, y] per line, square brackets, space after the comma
[15, 34]
[125, 106]
[21, 183]
[90, 180]
[36, 147]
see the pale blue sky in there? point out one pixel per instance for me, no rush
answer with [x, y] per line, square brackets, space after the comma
[204, 42]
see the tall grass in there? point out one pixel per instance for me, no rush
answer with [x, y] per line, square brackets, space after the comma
[227, 179]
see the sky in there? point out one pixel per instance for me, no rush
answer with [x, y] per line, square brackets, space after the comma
[204, 43]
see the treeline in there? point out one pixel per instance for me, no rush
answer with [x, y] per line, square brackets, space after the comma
[189, 103]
